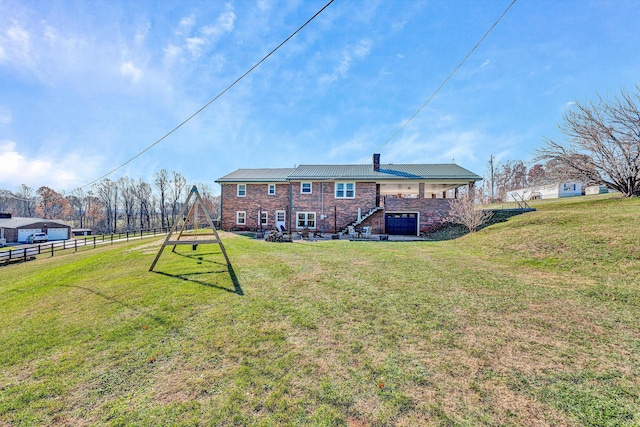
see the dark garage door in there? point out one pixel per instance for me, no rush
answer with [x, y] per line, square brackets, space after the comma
[400, 224]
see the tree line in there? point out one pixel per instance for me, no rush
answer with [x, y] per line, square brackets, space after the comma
[111, 205]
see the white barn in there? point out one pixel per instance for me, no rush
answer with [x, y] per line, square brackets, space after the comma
[551, 191]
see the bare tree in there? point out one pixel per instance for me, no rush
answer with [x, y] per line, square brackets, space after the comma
[7, 200]
[77, 201]
[537, 175]
[603, 145]
[128, 197]
[144, 193]
[464, 211]
[210, 200]
[107, 192]
[25, 202]
[95, 210]
[161, 181]
[178, 187]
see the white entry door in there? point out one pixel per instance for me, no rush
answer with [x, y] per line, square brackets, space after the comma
[281, 217]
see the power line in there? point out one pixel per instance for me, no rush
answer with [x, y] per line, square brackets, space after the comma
[210, 102]
[448, 77]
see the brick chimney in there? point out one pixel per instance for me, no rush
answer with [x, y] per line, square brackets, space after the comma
[376, 162]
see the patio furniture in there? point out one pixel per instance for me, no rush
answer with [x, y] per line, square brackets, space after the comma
[319, 233]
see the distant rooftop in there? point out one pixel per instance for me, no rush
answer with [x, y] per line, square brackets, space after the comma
[16, 222]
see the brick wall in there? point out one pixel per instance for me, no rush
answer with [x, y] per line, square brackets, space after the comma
[257, 199]
[338, 212]
[433, 212]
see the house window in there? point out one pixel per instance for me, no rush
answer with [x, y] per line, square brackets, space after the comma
[272, 190]
[305, 187]
[264, 218]
[569, 187]
[241, 218]
[242, 190]
[306, 219]
[345, 190]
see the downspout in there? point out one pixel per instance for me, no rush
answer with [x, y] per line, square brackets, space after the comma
[220, 216]
[322, 204]
[290, 205]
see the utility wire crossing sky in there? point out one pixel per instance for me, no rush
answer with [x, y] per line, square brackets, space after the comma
[87, 85]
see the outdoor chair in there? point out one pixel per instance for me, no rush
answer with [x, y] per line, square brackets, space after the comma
[304, 234]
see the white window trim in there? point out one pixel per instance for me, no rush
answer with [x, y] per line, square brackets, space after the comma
[266, 218]
[244, 216]
[238, 190]
[344, 186]
[310, 187]
[269, 193]
[306, 220]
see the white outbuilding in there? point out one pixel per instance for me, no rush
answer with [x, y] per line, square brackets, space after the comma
[551, 191]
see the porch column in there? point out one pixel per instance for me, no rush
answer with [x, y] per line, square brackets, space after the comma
[421, 190]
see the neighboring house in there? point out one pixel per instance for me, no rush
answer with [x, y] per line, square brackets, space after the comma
[392, 199]
[552, 191]
[18, 229]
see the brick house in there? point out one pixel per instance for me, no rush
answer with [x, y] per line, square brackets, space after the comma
[402, 199]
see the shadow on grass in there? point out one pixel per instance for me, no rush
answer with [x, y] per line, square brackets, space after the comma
[237, 289]
[138, 310]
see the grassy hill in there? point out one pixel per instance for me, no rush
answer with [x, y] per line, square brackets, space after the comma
[533, 321]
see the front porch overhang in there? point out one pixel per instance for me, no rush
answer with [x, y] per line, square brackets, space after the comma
[413, 187]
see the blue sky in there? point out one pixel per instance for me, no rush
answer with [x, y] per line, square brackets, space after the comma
[86, 85]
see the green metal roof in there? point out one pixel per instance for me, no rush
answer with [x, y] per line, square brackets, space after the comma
[387, 172]
[257, 175]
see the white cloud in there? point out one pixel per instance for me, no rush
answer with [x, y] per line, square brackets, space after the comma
[16, 47]
[352, 52]
[127, 69]
[224, 24]
[194, 45]
[172, 52]
[5, 116]
[61, 174]
[485, 63]
[185, 25]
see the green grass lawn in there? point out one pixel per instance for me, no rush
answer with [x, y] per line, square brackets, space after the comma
[533, 321]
